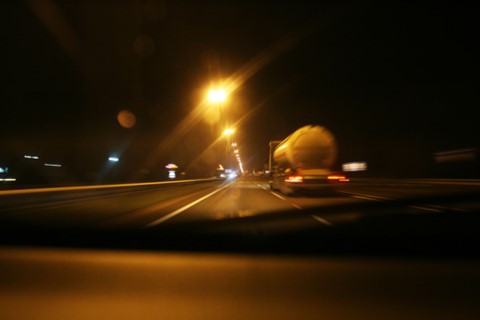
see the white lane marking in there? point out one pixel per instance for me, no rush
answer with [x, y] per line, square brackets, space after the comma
[174, 213]
[376, 198]
[296, 206]
[321, 220]
[278, 196]
[367, 198]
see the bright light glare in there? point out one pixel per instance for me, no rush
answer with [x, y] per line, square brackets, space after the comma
[113, 159]
[8, 179]
[228, 132]
[31, 157]
[218, 95]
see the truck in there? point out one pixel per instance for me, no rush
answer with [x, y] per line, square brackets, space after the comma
[302, 162]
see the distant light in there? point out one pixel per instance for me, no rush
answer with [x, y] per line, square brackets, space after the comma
[3, 170]
[56, 165]
[234, 144]
[171, 166]
[171, 174]
[354, 166]
[113, 159]
[30, 157]
[236, 151]
[8, 179]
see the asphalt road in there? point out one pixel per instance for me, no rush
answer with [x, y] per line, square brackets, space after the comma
[372, 274]
[151, 205]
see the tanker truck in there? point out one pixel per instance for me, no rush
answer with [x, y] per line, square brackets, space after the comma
[302, 162]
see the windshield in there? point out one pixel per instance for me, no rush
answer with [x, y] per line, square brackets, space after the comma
[286, 116]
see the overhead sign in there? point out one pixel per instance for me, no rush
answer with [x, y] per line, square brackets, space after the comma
[354, 166]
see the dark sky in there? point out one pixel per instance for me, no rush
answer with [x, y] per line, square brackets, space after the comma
[389, 80]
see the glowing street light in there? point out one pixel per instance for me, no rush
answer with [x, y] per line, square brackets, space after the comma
[217, 95]
[228, 132]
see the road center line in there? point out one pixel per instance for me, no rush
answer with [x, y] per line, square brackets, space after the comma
[176, 212]
[278, 196]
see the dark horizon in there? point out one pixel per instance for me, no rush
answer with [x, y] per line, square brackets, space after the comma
[394, 83]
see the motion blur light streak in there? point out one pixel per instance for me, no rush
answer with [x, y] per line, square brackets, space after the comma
[462, 155]
[56, 165]
[113, 159]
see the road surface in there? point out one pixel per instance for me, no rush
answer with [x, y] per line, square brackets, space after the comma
[152, 205]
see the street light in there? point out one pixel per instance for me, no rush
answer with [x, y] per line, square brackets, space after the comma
[228, 131]
[217, 95]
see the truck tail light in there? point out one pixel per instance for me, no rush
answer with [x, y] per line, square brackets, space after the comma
[338, 178]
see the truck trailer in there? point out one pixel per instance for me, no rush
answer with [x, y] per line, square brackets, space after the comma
[302, 162]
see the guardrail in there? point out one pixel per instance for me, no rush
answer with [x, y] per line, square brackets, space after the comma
[465, 182]
[101, 186]
[19, 199]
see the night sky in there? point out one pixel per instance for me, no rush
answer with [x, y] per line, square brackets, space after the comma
[394, 82]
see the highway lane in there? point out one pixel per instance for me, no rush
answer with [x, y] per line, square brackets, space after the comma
[104, 207]
[250, 197]
[147, 206]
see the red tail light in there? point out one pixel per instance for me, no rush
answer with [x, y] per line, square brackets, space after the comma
[294, 179]
[338, 178]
